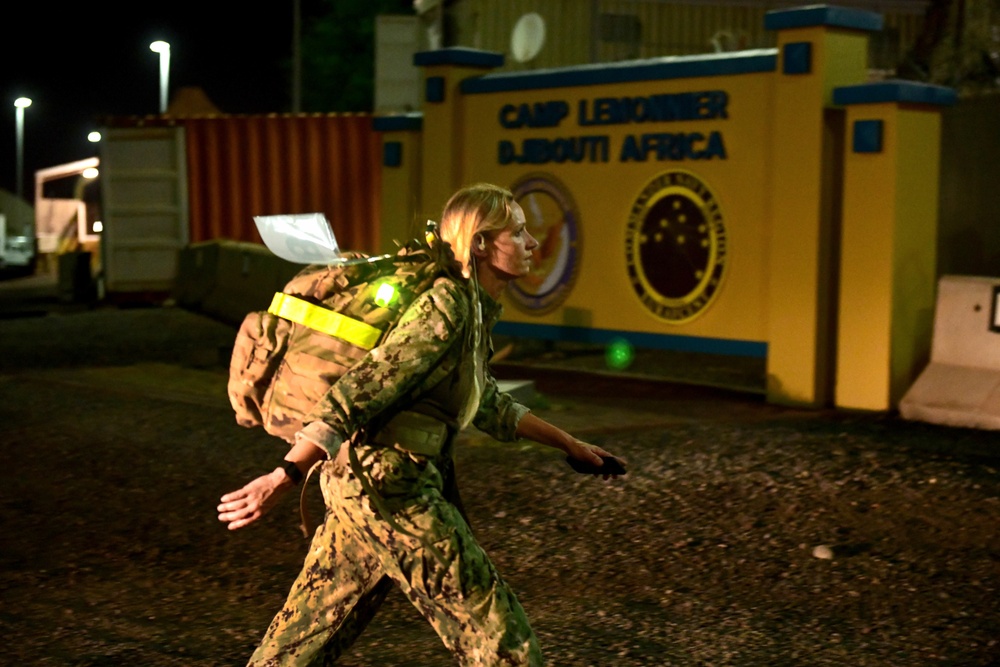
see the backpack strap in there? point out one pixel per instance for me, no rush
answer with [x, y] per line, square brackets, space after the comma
[379, 503]
[306, 525]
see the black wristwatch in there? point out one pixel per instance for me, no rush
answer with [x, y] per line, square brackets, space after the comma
[292, 471]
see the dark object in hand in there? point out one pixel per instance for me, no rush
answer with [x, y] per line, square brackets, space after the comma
[611, 466]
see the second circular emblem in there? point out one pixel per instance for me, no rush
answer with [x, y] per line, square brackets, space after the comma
[675, 246]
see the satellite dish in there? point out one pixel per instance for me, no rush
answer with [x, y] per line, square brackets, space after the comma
[528, 37]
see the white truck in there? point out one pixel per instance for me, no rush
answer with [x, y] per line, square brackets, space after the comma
[17, 249]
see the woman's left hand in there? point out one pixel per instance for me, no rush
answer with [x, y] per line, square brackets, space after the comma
[591, 454]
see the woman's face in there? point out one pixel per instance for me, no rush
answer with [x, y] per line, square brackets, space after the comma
[509, 252]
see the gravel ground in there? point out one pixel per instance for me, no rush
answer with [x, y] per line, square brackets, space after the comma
[745, 533]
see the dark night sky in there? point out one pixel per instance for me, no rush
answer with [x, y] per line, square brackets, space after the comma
[80, 62]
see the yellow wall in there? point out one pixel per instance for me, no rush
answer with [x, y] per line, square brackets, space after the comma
[401, 184]
[915, 250]
[889, 258]
[441, 158]
[790, 244]
[799, 360]
[604, 193]
[794, 226]
[866, 274]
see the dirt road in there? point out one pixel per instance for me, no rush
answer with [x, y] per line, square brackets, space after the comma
[745, 534]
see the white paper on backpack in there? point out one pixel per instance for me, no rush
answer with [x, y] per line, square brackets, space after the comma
[302, 238]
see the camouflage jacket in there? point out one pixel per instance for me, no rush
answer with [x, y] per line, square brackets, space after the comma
[426, 364]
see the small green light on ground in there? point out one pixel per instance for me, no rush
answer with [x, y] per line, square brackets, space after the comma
[619, 354]
[384, 295]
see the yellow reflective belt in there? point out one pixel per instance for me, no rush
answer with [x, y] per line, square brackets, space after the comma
[325, 320]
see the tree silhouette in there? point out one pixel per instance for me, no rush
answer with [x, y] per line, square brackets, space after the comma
[338, 53]
[959, 46]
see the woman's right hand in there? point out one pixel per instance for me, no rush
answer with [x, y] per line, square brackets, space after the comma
[243, 507]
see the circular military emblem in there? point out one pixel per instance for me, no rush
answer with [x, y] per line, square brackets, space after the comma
[675, 246]
[552, 218]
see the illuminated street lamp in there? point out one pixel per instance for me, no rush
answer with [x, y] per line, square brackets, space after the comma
[163, 49]
[94, 137]
[20, 104]
[88, 174]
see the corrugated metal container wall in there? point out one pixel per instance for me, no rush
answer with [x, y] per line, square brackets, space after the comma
[242, 166]
[585, 31]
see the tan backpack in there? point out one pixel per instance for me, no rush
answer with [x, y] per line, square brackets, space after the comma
[324, 321]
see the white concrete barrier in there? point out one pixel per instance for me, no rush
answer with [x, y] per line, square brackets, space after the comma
[961, 384]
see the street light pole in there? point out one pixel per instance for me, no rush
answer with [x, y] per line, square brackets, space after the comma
[163, 49]
[19, 105]
[296, 56]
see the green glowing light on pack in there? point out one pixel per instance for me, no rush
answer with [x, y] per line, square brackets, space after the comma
[619, 354]
[384, 295]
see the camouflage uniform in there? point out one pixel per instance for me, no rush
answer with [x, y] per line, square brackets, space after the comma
[430, 364]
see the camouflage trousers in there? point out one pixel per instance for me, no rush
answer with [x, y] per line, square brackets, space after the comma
[356, 556]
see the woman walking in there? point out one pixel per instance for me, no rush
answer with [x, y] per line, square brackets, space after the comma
[393, 514]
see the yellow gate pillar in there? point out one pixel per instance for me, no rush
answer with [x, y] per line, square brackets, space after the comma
[445, 125]
[819, 48]
[888, 271]
[401, 163]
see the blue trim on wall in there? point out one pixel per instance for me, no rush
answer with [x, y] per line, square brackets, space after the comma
[867, 136]
[735, 348]
[400, 123]
[458, 55]
[653, 69]
[434, 89]
[895, 90]
[392, 154]
[797, 58]
[823, 15]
